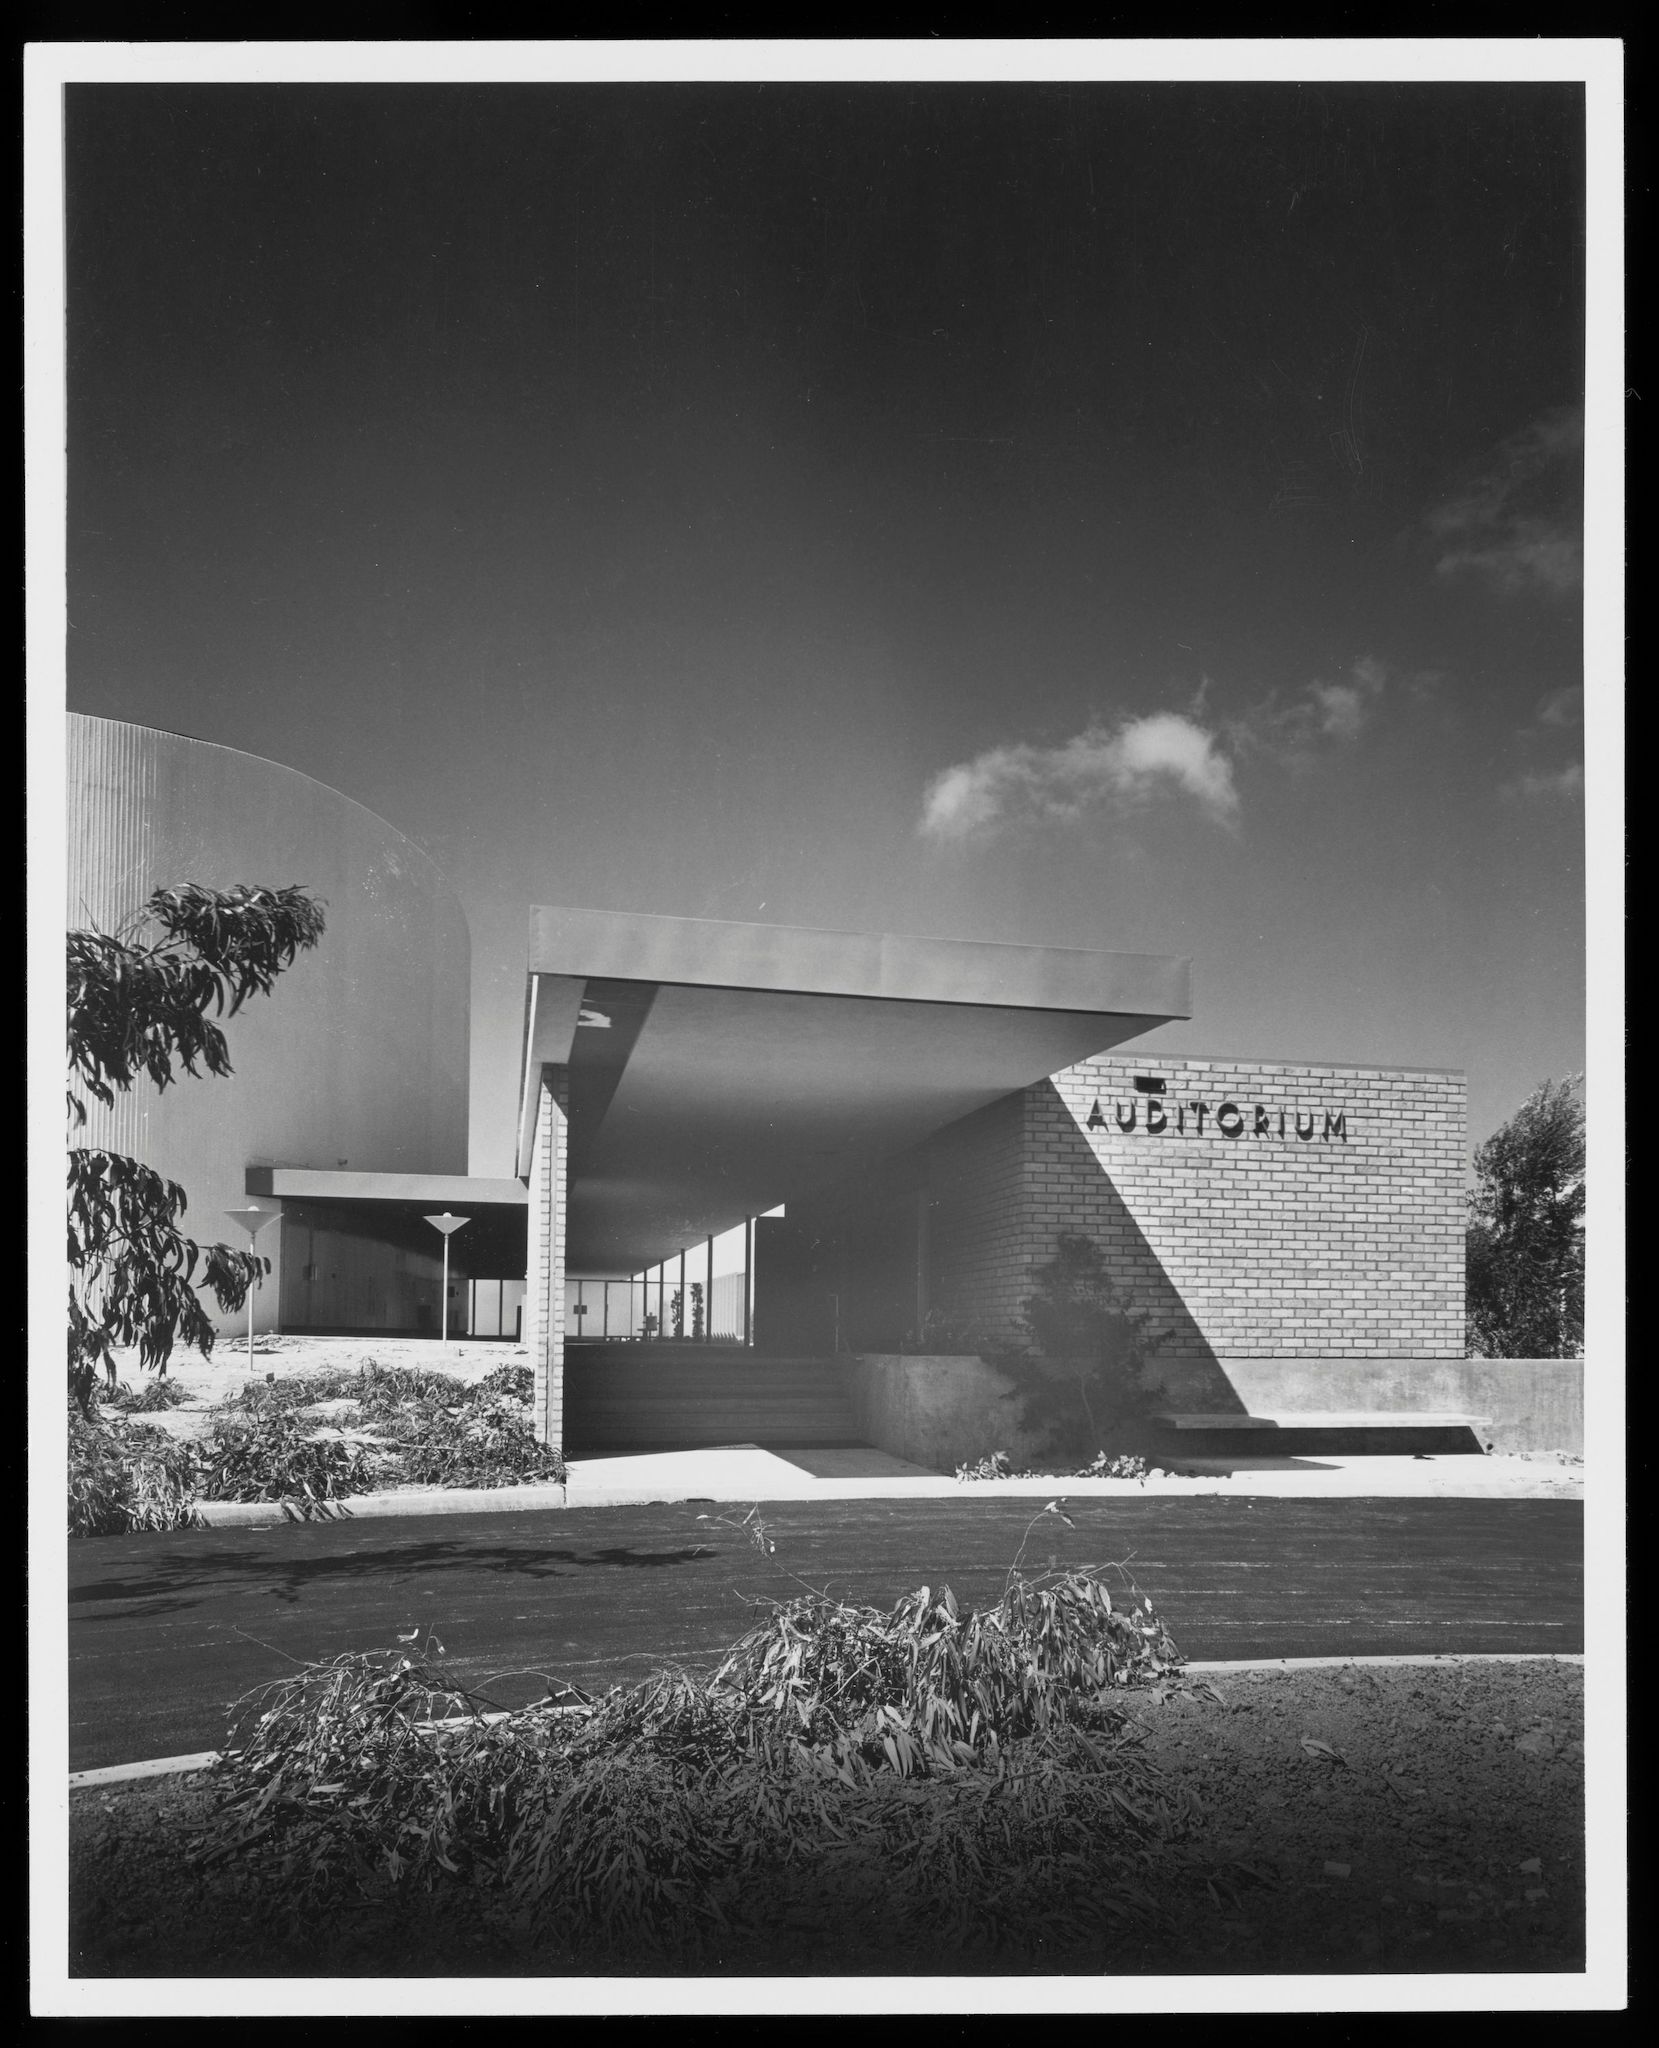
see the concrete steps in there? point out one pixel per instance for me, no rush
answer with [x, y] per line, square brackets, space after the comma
[1305, 1432]
[660, 1397]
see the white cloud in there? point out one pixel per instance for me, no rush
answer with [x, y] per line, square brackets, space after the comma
[1532, 553]
[1163, 754]
[1562, 707]
[1516, 524]
[1170, 746]
[1557, 716]
[1341, 709]
[1186, 754]
[1565, 782]
[1324, 713]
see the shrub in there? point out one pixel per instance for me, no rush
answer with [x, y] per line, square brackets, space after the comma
[270, 1456]
[1079, 1359]
[512, 1382]
[1127, 1465]
[998, 1465]
[125, 1477]
[154, 1398]
[430, 1428]
[1083, 1377]
[927, 1688]
[959, 1774]
[377, 1389]
[423, 1428]
[479, 1444]
[994, 1465]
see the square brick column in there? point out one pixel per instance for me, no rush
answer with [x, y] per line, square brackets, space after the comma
[544, 1290]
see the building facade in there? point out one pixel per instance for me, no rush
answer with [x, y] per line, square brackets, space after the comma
[904, 1128]
[1253, 1209]
[357, 1061]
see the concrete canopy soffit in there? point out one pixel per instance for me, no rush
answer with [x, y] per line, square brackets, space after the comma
[718, 1069]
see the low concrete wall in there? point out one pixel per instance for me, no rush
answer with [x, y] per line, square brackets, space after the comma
[1534, 1404]
[948, 1411]
[941, 1412]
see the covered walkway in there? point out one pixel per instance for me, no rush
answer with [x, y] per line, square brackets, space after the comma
[685, 1076]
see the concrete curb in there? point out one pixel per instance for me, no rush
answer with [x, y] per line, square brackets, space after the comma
[183, 1766]
[782, 1481]
[426, 1500]
[156, 1767]
[1389, 1662]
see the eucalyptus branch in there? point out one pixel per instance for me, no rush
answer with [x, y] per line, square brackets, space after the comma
[134, 1008]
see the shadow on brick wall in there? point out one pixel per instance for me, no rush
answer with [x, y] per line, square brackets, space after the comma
[1184, 1363]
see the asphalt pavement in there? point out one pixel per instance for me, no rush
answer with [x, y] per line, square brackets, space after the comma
[166, 1632]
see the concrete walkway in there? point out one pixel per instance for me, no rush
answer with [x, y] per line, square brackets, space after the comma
[731, 1473]
[744, 1472]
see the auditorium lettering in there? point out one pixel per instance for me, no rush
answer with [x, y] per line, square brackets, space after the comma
[1229, 1119]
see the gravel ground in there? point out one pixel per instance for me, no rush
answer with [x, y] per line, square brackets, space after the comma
[208, 1382]
[1380, 1818]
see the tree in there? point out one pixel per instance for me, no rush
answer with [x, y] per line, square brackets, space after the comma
[137, 1007]
[1524, 1264]
[1098, 1341]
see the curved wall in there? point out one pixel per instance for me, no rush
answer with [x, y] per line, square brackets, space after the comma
[359, 1055]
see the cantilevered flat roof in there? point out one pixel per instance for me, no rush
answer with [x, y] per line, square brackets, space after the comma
[305, 1183]
[717, 1069]
[706, 952]
[497, 1211]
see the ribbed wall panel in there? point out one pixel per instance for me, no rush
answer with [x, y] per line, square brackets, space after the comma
[112, 782]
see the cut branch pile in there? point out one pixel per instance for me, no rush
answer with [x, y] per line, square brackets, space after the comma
[404, 1427]
[949, 1775]
[126, 1477]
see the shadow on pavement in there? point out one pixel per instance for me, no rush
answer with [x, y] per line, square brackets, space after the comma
[164, 1584]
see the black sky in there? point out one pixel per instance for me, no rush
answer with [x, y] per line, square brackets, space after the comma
[640, 492]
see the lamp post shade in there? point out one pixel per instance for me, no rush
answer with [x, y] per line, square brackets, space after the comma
[253, 1221]
[448, 1225]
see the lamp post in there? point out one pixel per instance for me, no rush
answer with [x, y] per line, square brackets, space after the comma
[448, 1225]
[253, 1221]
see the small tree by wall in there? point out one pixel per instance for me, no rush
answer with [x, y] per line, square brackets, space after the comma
[1524, 1291]
[148, 1007]
[1088, 1383]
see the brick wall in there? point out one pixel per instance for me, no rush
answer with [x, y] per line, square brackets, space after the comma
[979, 1240]
[1307, 1211]
[544, 1293]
